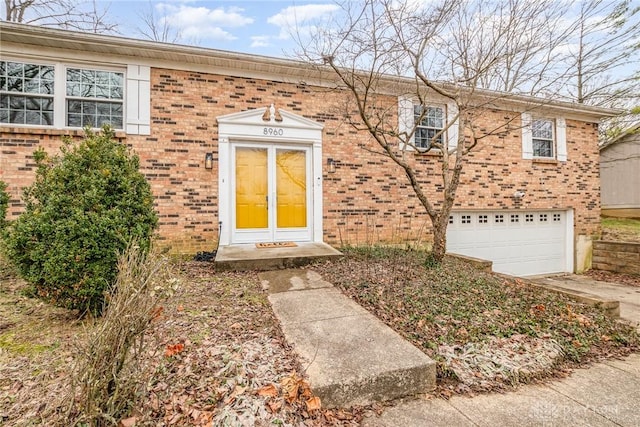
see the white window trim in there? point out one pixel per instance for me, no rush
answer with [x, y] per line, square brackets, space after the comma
[406, 123]
[136, 102]
[560, 134]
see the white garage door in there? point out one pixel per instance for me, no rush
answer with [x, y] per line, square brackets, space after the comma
[519, 243]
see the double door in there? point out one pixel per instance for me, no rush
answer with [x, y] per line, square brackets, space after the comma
[272, 195]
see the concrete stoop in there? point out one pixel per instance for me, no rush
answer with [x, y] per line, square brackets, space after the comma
[350, 356]
[248, 257]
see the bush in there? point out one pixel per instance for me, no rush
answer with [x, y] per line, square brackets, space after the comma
[110, 371]
[4, 205]
[85, 205]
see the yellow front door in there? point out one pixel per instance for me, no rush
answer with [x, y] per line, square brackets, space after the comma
[272, 193]
[251, 188]
[291, 188]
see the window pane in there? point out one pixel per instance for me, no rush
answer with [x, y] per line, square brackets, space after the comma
[14, 69]
[32, 104]
[73, 89]
[32, 86]
[15, 84]
[116, 92]
[116, 122]
[116, 79]
[89, 107]
[3, 68]
[88, 76]
[4, 116]
[3, 83]
[88, 90]
[16, 102]
[73, 75]
[32, 118]
[16, 116]
[102, 78]
[47, 118]
[4, 101]
[104, 108]
[74, 120]
[102, 91]
[46, 87]
[89, 120]
[542, 129]
[542, 148]
[46, 72]
[74, 106]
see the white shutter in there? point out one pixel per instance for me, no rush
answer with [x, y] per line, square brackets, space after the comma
[527, 136]
[452, 132]
[138, 100]
[561, 139]
[406, 122]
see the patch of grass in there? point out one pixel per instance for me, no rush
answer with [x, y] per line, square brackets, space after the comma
[9, 343]
[453, 304]
[624, 229]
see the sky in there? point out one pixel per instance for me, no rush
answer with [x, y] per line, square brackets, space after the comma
[261, 27]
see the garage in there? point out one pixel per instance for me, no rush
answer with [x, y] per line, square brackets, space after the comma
[520, 243]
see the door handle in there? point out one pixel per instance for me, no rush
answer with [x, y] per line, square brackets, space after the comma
[266, 198]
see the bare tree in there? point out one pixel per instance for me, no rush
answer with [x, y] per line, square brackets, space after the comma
[67, 14]
[157, 27]
[606, 53]
[385, 46]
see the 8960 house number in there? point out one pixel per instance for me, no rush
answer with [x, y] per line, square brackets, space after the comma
[273, 131]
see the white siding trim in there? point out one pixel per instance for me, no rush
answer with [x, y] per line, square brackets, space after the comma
[561, 139]
[405, 121]
[527, 136]
[138, 111]
[452, 131]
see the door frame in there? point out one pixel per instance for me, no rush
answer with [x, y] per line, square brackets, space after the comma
[251, 127]
[272, 233]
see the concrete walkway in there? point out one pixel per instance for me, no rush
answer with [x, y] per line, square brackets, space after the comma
[605, 394]
[350, 356]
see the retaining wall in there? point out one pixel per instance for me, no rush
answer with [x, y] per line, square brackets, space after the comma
[619, 257]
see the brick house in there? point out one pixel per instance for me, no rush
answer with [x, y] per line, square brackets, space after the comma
[227, 167]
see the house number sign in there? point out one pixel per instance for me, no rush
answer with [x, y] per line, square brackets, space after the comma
[273, 131]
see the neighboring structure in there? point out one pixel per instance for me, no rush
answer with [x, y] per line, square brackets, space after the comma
[226, 166]
[620, 175]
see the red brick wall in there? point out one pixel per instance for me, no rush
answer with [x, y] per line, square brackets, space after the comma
[367, 199]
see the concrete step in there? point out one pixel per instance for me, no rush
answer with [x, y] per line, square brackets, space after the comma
[350, 356]
[249, 257]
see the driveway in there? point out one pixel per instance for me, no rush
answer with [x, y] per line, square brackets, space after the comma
[629, 296]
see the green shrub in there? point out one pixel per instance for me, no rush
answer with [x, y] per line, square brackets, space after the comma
[85, 205]
[4, 205]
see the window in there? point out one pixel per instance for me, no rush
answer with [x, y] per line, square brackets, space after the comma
[482, 219]
[544, 138]
[466, 219]
[528, 218]
[556, 217]
[58, 95]
[26, 93]
[543, 217]
[515, 218]
[430, 121]
[542, 134]
[94, 98]
[499, 218]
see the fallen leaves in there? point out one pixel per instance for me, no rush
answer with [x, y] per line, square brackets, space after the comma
[173, 349]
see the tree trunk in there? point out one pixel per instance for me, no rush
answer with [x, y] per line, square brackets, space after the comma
[439, 238]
